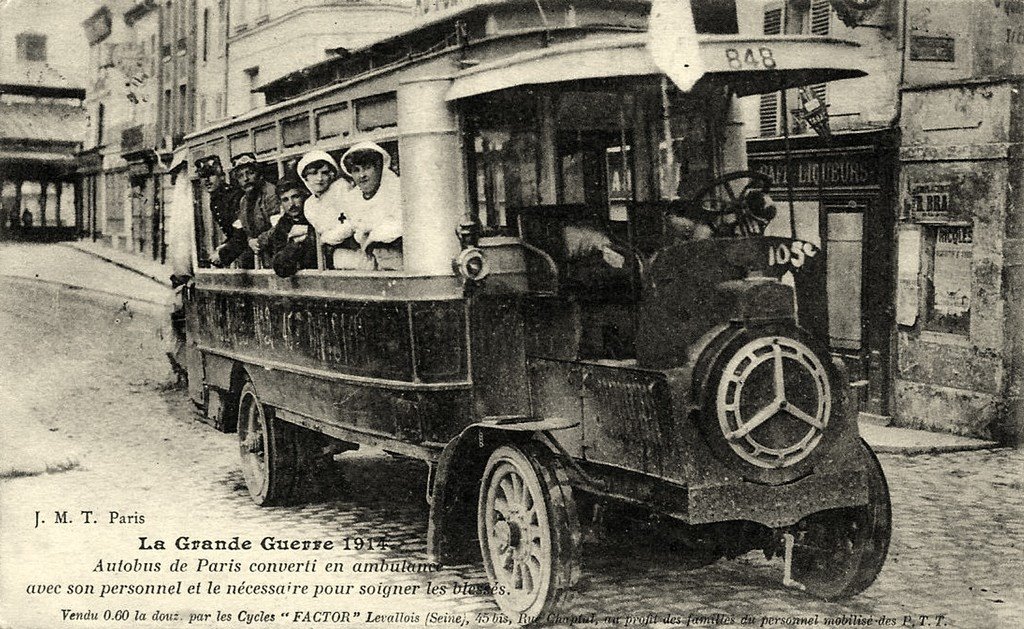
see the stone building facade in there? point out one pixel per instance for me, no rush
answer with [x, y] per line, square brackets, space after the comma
[916, 199]
[267, 40]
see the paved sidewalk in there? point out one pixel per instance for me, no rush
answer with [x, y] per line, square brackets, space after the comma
[144, 266]
[73, 268]
[910, 441]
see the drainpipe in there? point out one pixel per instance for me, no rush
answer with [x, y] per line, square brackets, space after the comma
[1012, 420]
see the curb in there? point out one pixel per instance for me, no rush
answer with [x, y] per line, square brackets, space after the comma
[911, 441]
[76, 287]
[934, 449]
[162, 282]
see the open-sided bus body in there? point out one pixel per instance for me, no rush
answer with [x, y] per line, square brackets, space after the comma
[554, 343]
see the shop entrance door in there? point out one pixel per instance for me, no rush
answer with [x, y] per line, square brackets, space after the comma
[861, 297]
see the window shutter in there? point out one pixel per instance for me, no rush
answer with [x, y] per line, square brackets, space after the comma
[821, 18]
[768, 114]
[773, 21]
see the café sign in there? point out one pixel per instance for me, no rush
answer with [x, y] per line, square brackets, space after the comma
[814, 171]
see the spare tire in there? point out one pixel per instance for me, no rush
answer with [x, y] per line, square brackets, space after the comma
[769, 398]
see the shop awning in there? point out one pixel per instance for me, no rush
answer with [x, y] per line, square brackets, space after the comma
[751, 65]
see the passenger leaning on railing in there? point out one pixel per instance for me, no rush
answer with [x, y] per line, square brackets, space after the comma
[224, 195]
[325, 210]
[292, 241]
[259, 202]
[374, 207]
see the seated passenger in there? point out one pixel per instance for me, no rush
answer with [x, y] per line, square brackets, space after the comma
[257, 205]
[325, 210]
[224, 195]
[374, 207]
[290, 243]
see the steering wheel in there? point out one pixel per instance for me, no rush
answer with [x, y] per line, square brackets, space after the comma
[736, 204]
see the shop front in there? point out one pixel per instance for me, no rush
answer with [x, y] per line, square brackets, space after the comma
[842, 199]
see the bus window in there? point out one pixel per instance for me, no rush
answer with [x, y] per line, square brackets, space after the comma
[288, 166]
[505, 159]
[594, 156]
[691, 157]
[295, 131]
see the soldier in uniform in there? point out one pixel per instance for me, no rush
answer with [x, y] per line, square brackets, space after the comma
[258, 203]
[224, 196]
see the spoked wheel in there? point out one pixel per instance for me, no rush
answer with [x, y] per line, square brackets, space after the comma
[267, 446]
[529, 531]
[838, 553]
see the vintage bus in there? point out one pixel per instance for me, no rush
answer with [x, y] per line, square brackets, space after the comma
[559, 341]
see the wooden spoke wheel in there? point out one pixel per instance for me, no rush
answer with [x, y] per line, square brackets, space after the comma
[268, 449]
[529, 531]
[838, 553]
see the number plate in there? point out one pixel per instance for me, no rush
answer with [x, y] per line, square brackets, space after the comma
[760, 58]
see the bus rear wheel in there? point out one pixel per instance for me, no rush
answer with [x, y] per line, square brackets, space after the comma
[529, 532]
[838, 553]
[268, 449]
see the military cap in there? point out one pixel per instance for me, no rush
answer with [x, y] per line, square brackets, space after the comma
[209, 165]
[244, 160]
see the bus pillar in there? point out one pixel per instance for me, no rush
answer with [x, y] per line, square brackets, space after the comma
[433, 198]
[734, 151]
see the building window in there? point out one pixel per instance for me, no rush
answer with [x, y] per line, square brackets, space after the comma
[768, 112]
[221, 25]
[31, 47]
[167, 112]
[100, 114]
[238, 13]
[182, 108]
[206, 34]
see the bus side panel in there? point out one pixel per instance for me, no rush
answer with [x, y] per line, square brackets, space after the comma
[370, 339]
[410, 416]
[500, 384]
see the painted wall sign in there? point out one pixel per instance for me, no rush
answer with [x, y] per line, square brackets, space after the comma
[929, 202]
[927, 48]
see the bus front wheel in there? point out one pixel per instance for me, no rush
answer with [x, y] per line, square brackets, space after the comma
[838, 553]
[268, 449]
[529, 531]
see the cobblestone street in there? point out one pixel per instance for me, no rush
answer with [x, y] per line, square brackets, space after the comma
[90, 369]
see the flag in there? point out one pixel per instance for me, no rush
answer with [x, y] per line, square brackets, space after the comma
[672, 42]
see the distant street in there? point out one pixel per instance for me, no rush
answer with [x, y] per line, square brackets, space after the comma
[88, 368]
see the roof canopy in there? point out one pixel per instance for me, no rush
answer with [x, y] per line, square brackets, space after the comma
[749, 65]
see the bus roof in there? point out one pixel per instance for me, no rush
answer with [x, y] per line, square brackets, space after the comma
[750, 65]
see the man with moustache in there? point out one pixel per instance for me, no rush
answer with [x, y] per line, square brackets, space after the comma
[258, 203]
